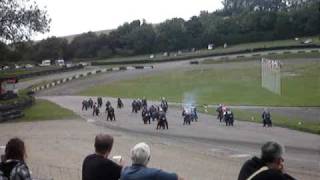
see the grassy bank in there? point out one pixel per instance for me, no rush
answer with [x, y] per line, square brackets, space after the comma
[46, 110]
[240, 48]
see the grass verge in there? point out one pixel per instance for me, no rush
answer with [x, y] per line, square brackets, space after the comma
[240, 48]
[46, 110]
[278, 120]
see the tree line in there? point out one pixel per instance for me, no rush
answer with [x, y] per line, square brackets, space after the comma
[239, 21]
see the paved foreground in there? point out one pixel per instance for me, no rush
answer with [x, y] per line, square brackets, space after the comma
[56, 150]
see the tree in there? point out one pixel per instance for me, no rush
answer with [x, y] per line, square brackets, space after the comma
[238, 6]
[142, 39]
[172, 35]
[50, 48]
[4, 52]
[283, 26]
[194, 30]
[19, 19]
[23, 51]
[85, 45]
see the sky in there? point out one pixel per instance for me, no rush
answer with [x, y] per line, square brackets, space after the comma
[79, 16]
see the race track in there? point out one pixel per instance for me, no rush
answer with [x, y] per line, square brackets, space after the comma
[241, 141]
[208, 137]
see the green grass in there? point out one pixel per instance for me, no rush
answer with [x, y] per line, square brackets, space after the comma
[280, 120]
[46, 110]
[15, 72]
[267, 44]
[236, 85]
[276, 56]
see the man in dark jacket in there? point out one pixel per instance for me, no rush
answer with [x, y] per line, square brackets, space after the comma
[97, 166]
[269, 166]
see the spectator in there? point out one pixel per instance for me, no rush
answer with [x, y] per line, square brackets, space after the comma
[269, 166]
[97, 166]
[14, 167]
[140, 156]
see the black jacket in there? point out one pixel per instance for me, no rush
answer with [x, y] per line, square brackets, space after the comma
[272, 174]
[254, 164]
[249, 167]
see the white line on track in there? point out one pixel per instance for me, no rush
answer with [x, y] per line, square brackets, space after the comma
[90, 120]
[239, 155]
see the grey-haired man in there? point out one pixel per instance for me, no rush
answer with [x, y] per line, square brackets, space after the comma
[269, 166]
[140, 156]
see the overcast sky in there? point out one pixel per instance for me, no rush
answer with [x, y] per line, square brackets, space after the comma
[78, 16]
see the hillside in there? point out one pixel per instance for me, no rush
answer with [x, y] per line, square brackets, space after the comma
[71, 37]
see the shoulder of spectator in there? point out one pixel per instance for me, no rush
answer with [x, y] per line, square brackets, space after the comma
[21, 172]
[166, 175]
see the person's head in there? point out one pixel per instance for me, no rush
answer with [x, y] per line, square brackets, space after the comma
[272, 153]
[15, 149]
[103, 144]
[140, 154]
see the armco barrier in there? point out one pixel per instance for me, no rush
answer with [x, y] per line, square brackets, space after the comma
[85, 74]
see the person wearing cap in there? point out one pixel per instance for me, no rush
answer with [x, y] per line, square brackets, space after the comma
[140, 156]
[269, 166]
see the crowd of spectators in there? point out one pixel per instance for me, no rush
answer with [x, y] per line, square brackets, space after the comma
[99, 166]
